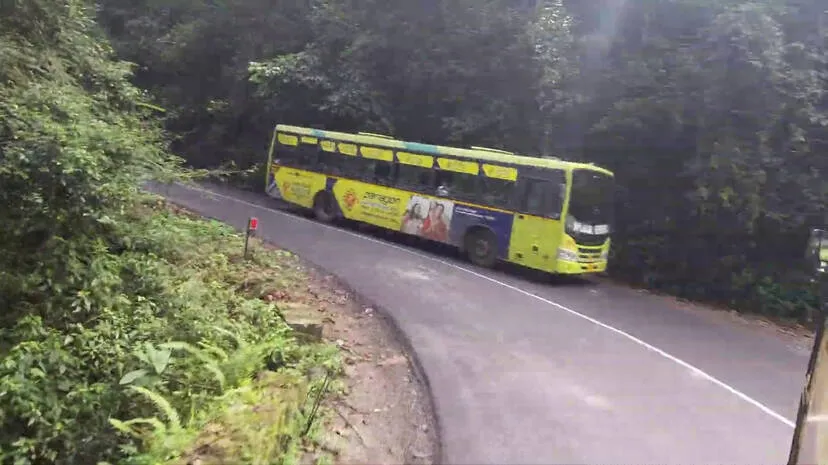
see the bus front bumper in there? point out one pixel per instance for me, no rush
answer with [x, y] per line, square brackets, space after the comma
[567, 267]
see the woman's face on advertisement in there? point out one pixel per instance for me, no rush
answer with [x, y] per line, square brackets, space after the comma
[437, 210]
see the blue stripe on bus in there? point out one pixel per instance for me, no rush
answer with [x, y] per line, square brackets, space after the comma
[500, 223]
[423, 148]
[410, 146]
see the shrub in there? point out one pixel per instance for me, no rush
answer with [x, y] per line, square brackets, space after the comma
[163, 318]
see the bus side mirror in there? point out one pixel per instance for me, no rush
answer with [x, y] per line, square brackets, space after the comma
[817, 253]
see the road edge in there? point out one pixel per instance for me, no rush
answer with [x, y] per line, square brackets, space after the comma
[388, 321]
[391, 324]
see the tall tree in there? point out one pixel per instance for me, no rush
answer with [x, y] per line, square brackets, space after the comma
[710, 114]
[193, 56]
[460, 72]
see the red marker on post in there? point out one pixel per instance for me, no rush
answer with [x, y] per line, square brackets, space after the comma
[252, 226]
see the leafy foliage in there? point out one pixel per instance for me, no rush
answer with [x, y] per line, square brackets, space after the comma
[724, 99]
[440, 71]
[193, 55]
[165, 332]
[111, 310]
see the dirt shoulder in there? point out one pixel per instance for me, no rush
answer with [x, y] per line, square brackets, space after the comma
[385, 415]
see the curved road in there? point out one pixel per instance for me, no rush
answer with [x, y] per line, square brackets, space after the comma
[523, 372]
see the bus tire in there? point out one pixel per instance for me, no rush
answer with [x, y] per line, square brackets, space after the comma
[481, 247]
[323, 207]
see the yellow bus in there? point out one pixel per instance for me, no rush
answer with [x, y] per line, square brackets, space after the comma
[541, 213]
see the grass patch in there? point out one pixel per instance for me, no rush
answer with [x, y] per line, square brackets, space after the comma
[267, 421]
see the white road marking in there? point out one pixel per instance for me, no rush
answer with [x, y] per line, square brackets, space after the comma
[693, 369]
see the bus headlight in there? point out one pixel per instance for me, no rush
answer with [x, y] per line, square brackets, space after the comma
[605, 254]
[567, 255]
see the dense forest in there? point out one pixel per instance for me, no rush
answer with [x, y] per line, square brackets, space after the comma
[712, 113]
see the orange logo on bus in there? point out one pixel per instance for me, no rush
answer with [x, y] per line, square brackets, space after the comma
[350, 199]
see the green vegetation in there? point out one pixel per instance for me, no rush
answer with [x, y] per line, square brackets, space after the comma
[712, 113]
[128, 332]
[134, 335]
[171, 341]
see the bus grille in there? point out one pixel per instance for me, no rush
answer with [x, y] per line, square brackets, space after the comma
[589, 254]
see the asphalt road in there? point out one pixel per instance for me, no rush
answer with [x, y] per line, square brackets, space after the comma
[525, 372]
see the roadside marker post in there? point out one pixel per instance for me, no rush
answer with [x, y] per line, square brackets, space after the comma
[252, 226]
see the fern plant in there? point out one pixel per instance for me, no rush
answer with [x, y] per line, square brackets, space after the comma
[173, 424]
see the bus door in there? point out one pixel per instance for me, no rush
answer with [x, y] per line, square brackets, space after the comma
[537, 227]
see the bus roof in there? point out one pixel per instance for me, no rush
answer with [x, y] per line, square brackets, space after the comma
[477, 153]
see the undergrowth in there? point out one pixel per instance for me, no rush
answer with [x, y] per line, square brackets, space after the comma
[169, 351]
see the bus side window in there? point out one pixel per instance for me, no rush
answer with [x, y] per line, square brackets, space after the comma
[356, 167]
[533, 199]
[442, 182]
[287, 155]
[367, 170]
[384, 173]
[497, 192]
[460, 186]
[415, 178]
[332, 163]
[555, 195]
[306, 156]
[543, 197]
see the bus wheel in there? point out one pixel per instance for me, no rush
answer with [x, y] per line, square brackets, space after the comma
[481, 247]
[323, 207]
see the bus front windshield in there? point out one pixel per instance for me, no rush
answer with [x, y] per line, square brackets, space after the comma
[590, 204]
